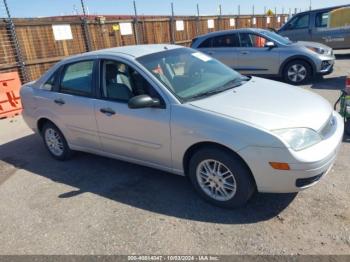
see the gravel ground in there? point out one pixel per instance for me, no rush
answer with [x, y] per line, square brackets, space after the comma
[96, 205]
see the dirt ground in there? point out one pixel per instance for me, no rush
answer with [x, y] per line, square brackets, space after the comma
[96, 205]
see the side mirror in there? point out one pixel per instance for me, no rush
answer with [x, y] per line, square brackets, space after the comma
[270, 44]
[143, 101]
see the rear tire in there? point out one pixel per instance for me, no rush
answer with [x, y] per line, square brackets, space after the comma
[297, 72]
[55, 142]
[221, 177]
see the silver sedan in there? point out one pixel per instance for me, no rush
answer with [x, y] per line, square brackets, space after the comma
[253, 51]
[181, 111]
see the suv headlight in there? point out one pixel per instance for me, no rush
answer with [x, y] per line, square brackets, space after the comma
[298, 138]
[317, 50]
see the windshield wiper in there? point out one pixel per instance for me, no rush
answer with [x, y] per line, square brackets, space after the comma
[228, 85]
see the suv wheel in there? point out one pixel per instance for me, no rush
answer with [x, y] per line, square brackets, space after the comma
[221, 178]
[297, 72]
[55, 142]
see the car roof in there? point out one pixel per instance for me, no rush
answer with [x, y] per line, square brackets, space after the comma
[130, 50]
[223, 32]
[323, 9]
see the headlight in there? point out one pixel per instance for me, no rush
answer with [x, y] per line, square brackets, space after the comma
[298, 138]
[317, 50]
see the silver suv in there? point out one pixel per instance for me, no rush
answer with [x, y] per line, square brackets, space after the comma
[254, 51]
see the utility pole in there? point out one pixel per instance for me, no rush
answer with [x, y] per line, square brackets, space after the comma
[172, 29]
[86, 28]
[220, 14]
[136, 24]
[14, 40]
[198, 19]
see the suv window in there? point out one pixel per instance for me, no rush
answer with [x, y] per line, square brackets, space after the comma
[121, 82]
[300, 22]
[322, 19]
[252, 40]
[77, 78]
[230, 40]
[206, 43]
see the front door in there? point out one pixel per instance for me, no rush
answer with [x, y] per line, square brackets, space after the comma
[254, 58]
[298, 28]
[134, 134]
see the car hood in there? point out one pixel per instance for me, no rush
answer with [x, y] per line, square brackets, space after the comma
[270, 105]
[312, 44]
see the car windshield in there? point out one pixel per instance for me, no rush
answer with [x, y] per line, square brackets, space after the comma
[190, 74]
[276, 37]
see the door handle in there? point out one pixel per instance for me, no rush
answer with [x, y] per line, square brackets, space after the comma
[59, 101]
[107, 111]
[244, 52]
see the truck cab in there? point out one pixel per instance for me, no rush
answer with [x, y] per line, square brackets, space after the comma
[329, 26]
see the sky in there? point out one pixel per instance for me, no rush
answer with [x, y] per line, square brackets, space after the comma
[39, 8]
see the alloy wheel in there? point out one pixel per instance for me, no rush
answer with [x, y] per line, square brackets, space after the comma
[297, 73]
[216, 180]
[54, 142]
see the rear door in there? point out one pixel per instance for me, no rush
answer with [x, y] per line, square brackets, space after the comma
[322, 32]
[254, 58]
[223, 48]
[298, 28]
[72, 104]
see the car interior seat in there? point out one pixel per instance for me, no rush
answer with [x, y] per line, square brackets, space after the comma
[114, 89]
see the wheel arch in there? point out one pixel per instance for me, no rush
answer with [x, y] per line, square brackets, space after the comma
[42, 121]
[205, 144]
[298, 57]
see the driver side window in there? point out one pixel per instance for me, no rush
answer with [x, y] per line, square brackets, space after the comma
[300, 22]
[121, 82]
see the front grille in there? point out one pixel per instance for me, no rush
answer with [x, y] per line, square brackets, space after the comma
[301, 182]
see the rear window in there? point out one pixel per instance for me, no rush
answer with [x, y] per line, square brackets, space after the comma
[322, 19]
[229, 40]
[77, 78]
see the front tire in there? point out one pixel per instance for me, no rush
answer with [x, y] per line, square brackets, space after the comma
[221, 177]
[55, 142]
[297, 72]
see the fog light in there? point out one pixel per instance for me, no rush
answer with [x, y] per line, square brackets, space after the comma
[325, 65]
[279, 166]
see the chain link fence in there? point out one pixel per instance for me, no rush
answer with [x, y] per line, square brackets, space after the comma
[32, 45]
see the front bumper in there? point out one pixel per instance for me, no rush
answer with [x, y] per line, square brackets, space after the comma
[325, 65]
[307, 166]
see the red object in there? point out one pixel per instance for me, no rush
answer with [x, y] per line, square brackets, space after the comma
[347, 85]
[10, 102]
